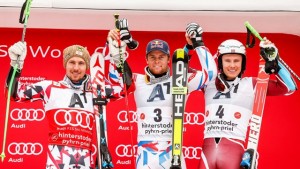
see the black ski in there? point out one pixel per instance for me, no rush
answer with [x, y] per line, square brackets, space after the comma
[179, 91]
[97, 63]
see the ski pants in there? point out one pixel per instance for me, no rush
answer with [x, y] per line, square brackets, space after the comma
[221, 153]
[155, 155]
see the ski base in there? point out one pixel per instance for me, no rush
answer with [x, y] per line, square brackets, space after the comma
[248, 157]
[176, 163]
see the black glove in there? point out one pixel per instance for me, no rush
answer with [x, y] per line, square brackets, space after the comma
[270, 54]
[272, 67]
[195, 32]
[125, 34]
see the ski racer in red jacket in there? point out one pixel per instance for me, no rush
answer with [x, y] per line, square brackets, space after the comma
[68, 105]
[229, 102]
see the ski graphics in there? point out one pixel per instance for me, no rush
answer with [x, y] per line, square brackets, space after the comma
[257, 115]
[179, 91]
[97, 70]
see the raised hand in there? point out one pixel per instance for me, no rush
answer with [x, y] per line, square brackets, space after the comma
[17, 53]
[125, 34]
[194, 31]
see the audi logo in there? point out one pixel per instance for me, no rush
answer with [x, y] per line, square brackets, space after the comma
[193, 118]
[123, 150]
[191, 152]
[94, 150]
[122, 116]
[74, 118]
[25, 148]
[27, 114]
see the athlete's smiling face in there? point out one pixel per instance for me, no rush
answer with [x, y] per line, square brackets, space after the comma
[158, 62]
[232, 65]
[76, 69]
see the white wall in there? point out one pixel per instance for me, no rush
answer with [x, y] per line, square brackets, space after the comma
[236, 5]
[158, 15]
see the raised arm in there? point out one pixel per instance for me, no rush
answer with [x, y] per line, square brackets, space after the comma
[22, 92]
[194, 39]
[284, 83]
[17, 54]
[120, 71]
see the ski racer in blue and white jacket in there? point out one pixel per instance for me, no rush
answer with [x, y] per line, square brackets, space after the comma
[153, 96]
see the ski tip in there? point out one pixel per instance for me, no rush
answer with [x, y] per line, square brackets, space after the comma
[180, 54]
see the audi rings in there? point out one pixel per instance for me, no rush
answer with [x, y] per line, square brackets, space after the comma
[27, 114]
[123, 150]
[122, 116]
[74, 118]
[194, 118]
[191, 152]
[22, 148]
[94, 149]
